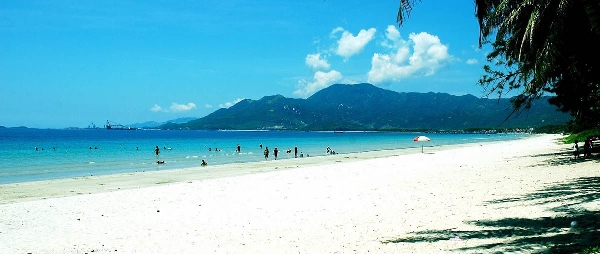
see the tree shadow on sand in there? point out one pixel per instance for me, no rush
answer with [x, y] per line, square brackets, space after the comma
[541, 235]
[565, 158]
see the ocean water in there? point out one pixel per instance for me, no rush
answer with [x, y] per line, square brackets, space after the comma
[42, 154]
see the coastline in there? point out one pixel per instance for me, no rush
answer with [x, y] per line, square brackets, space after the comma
[73, 186]
[129, 152]
[473, 198]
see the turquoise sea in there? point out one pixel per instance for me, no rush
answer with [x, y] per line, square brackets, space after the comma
[42, 154]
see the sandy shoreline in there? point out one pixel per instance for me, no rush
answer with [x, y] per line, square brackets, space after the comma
[507, 196]
[18, 192]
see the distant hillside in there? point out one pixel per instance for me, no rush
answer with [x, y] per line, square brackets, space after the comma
[366, 107]
[154, 124]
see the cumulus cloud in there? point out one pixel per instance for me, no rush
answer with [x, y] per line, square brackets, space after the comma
[348, 44]
[229, 104]
[335, 31]
[320, 80]
[315, 62]
[157, 108]
[472, 61]
[422, 55]
[392, 33]
[175, 107]
[393, 37]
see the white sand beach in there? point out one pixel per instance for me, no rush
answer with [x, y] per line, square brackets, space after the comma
[514, 196]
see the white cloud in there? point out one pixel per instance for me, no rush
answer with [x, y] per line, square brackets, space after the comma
[175, 107]
[349, 45]
[392, 33]
[472, 61]
[157, 108]
[229, 104]
[321, 80]
[315, 62]
[422, 55]
[208, 106]
[335, 31]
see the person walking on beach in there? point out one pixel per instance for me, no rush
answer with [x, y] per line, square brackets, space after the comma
[576, 149]
[587, 148]
[295, 152]
[267, 153]
[157, 151]
[275, 152]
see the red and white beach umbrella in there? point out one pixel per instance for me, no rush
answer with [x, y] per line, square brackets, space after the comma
[421, 139]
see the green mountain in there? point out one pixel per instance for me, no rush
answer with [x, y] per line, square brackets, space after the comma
[366, 107]
[154, 124]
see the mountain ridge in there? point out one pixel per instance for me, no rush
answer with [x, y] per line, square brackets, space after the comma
[369, 108]
[155, 124]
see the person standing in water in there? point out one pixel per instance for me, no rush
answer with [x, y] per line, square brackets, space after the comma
[267, 153]
[157, 151]
[275, 152]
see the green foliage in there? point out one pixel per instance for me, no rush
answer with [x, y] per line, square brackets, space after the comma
[591, 250]
[583, 135]
[544, 47]
[552, 129]
[541, 48]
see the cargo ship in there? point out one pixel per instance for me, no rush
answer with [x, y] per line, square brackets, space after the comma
[116, 126]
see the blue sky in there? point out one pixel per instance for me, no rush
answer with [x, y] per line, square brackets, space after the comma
[69, 63]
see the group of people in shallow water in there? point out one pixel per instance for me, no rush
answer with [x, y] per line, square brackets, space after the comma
[157, 152]
[276, 152]
[53, 148]
[239, 149]
[328, 150]
[266, 153]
